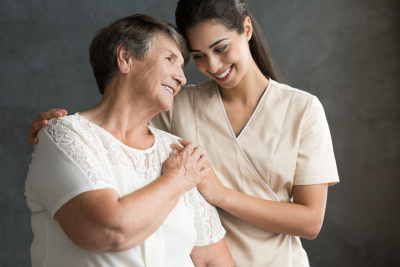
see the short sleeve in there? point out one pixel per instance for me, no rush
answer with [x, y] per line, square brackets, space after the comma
[62, 167]
[316, 161]
[207, 223]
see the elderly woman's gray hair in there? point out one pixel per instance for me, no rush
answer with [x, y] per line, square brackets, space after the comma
[136, 32]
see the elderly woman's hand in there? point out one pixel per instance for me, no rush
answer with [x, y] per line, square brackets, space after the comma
[210, 187]
[186, 166]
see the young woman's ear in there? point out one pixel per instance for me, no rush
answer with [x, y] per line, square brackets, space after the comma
[124, 59]
[248, 29]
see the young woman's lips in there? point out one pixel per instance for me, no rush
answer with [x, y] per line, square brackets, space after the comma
[227, 76]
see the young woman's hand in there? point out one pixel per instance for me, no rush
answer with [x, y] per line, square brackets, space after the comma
[186, 167]
[40, 121]
[210, 187]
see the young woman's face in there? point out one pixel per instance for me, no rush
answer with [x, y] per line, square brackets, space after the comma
[220, 53]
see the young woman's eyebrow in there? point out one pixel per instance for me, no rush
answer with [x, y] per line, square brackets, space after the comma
[212, 45]
[217, 42]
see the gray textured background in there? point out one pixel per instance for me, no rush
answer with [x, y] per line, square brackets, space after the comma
[346, 52]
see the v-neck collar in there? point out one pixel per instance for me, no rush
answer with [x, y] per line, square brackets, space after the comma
[254, 112]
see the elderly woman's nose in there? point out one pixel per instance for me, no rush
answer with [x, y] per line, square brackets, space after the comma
[179, 76]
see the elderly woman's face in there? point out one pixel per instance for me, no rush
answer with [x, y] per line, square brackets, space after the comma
[160, 76]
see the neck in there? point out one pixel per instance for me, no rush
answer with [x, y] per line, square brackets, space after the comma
[250, 88]
[123, 115]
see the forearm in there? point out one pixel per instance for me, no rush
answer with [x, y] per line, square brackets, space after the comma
[100, 220]
[142, 212]
[285, 218]
[214, 255]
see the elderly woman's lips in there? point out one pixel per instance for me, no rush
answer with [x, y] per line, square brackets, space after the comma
[168, 88]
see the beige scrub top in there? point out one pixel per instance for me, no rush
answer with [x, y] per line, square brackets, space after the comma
[286, 142]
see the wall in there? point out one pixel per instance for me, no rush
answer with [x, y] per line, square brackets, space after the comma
[345, 52]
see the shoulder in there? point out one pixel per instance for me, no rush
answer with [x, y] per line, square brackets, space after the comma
[164, 136]
[298, 97]
[184, 99]
[70, 127]
[284, 88]
[200, 87]
[57, 126]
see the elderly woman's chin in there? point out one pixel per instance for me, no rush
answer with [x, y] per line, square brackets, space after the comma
[165, 101]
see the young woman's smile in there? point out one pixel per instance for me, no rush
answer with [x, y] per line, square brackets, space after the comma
[220, 53]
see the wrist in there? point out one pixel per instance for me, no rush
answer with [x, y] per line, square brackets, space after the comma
[222, 198]
[173, 184]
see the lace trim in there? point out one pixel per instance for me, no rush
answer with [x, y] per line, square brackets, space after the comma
[71, 143]
[147, 164]
[212, 222]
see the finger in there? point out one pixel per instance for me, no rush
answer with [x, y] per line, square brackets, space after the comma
[51, 113]
[202, 160]
[32, 141]
[188, 149]
[197, 152]
[183, 142]
[204, 171]
[174, 152]
[35, 127]
[177, 147]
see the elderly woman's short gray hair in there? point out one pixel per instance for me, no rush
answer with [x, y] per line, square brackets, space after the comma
[136, 32]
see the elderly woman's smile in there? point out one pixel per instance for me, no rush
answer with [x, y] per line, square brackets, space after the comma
[116, 184]
[160, 75]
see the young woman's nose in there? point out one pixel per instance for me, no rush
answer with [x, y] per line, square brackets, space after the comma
[214, 64]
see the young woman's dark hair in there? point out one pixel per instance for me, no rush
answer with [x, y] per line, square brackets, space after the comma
[231, 14]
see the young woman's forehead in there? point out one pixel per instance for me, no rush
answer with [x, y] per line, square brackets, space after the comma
[206, 34]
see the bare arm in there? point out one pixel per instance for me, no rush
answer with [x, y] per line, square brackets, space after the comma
[214, 255]
[302, 218]
[100, 220]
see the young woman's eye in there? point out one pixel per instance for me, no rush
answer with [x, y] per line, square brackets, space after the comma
[220, 49]
[198, 56]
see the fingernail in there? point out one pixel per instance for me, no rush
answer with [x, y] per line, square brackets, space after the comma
[58, 114]
[172, 145]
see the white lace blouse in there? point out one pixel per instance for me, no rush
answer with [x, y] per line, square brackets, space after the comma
[75, 155]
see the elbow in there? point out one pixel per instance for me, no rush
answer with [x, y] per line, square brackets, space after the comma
[118, 242]
[108, 241]
[312, 231]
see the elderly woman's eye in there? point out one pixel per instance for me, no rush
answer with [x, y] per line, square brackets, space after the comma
[169, 58]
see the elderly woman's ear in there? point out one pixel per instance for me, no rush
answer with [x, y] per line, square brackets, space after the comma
[124, 59]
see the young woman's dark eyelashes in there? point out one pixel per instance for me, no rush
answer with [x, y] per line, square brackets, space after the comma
[218, 50]
[221, 49]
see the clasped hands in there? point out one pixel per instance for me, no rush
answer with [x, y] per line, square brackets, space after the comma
[193, 168]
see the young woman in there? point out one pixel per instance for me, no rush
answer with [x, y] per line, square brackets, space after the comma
[268, 143]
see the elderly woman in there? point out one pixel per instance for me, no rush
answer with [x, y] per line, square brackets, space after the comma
[104, 181]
